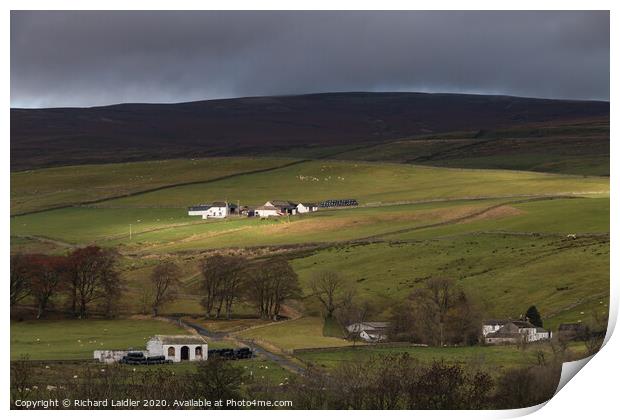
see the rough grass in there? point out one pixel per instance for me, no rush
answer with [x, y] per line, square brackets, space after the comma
[44, 188]
[77, 339]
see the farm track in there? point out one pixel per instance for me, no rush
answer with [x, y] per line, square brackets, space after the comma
[381, 236]
[465, 217]
[162, 187]
[45, 239]
[257, 347]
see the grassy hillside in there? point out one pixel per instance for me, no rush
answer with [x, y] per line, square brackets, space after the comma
[45, 188]
[159, 220]
[504, 273]
[367, 182]
[581, 149]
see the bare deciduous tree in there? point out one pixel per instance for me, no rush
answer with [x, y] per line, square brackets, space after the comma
[93, 278]
[270, 283]
[328, 288]
[46, 274]
[223, 277]
[20, 285]
[433, 302]
[165, 283]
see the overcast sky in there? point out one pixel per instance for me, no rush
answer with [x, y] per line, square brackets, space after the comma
[95, 58]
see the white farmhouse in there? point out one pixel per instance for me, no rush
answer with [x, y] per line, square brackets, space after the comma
[307, 207]
[178, 347]
[217, 210]
[508, 331]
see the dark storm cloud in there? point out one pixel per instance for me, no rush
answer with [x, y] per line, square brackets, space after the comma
[89, 58]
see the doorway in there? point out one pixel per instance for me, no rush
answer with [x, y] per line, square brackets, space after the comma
[184, 353]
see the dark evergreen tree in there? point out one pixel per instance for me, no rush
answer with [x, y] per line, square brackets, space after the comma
[533, 316]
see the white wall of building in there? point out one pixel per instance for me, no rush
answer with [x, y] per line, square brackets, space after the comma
[211, 213]
[267, 212]
[174, 352]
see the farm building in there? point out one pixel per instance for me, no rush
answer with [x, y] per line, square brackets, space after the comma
[284, 206]
[176, 348]
[307, 207]
[508, 331]
[369, 331]
[267, 211]
[217, 210]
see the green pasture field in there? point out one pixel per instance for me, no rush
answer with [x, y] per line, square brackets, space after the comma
[151, 221]
[503, 273]
[44, 188]
[306, 332]
[255, 370]
[77, 339]
[367, 182]
[319, 227]
[558, 216]
[174, 229]
[481, 357]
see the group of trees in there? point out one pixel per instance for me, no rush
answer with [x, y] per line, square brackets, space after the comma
[437, 313]
[266, 284]
[85, 277]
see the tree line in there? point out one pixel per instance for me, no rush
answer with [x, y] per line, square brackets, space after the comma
[265, 284]
[86, 277]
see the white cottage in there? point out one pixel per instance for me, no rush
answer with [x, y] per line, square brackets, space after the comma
[178, 347]
[217, 210]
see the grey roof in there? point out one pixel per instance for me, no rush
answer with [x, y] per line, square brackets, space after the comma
[308, 204]
[368, 326]
[180, 339]
[496, 321]
[202, 207]
[523, 324]
[283, 203]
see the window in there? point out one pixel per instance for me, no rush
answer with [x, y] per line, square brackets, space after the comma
[198, 351]
[170, 351]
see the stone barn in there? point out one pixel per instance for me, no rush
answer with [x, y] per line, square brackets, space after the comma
[178, 348]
